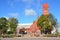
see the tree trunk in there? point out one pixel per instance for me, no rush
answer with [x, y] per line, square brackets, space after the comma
[49, 31]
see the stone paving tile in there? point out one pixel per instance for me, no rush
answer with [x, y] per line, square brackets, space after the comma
[32, 38]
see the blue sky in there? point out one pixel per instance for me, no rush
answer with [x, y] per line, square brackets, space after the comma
[26, 11]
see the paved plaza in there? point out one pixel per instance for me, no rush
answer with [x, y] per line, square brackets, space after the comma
[32, 38]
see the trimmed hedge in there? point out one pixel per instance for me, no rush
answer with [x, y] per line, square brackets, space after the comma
[8, 35]
[51, 35]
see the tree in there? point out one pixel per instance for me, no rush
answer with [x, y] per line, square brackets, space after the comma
[3, 24]
[46, 22]
[12, 22]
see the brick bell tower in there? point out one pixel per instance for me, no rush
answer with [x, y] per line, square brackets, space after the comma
[45, 9]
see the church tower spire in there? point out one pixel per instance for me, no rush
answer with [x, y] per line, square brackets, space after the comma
[45, 9]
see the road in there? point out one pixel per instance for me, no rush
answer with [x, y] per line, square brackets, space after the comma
[32, 38]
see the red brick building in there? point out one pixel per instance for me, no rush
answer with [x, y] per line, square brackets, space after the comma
[33, 27]
[45, 9]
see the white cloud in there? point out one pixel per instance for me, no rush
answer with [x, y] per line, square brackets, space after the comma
[10, 3]
[6, 17]
[30, 12]
[28, 1]
[13, 14]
